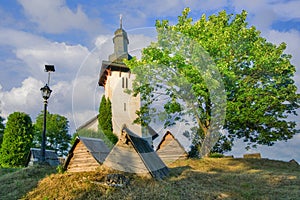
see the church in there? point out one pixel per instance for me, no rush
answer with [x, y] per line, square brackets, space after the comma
[116, 78]
[134, 150]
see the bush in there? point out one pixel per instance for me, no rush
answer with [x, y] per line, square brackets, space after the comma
[17, 140]
[216, 155]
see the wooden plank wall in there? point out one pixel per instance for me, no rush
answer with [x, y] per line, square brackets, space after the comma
[82, 160]
[123, 157]
[170, 150]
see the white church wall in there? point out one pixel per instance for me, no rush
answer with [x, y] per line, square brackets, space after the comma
[124, 105]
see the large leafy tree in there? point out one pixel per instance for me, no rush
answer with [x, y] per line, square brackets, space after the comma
[105, 120]
[1, 130]
[17, 140]
[213, 65]
[57, 136]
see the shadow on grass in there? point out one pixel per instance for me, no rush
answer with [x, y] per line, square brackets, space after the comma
[15, 184]
[235, 179]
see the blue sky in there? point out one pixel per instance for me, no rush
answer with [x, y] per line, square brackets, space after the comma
[76, 36]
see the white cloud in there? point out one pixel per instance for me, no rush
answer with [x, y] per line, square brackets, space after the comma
[261, 13]
[78, 103]
[288, 10]
[35, 52]
[292, 38]
[138, 42]
[19, 39]
[66, 58]
[54, 16]
[26, 98]
[205, 5]
[69, 60]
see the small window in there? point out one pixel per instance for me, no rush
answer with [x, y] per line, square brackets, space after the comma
[126, 82]
[123, 82]
[124, 106]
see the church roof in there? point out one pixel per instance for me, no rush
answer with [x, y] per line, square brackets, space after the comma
[35, 155]
[89, 122]
[120, 53]
[107, 67]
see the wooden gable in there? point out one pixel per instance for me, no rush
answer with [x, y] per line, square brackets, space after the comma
[86, 155]
[170, 149]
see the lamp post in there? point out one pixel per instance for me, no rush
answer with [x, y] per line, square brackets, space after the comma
[46, 92]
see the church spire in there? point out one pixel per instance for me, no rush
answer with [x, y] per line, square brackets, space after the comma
[121, 21]
[120, 44]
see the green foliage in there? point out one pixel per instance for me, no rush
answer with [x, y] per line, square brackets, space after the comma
[105, 120]
[192, 60]
[60, 169]
[1, 130]
[17, 140]
[216, 155]
[111, 137]
[57, 137]
[87, 133]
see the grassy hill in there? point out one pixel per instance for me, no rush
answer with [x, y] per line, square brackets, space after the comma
[211, 178]
[15, 182]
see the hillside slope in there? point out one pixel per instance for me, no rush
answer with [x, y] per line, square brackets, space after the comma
[209, 178]
[15, 182]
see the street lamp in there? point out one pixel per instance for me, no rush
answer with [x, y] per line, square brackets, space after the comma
[46, 92]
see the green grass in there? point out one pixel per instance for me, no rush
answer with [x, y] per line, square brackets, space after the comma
[4, 171]
[210, 178]
[15, 182]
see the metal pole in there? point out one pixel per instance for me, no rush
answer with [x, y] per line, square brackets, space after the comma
[48, 78]
[44, 133]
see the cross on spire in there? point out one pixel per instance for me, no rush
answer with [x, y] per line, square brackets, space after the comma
[121, 17]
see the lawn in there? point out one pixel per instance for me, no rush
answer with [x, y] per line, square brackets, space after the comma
[209, 178]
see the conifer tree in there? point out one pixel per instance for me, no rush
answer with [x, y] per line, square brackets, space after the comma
[105, 120]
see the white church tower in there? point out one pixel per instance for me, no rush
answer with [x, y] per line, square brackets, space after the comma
[116, 77]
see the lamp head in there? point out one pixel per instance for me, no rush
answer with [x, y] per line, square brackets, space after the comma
[46, 92]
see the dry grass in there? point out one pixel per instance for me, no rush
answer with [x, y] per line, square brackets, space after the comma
[15, 182]
[189, 179]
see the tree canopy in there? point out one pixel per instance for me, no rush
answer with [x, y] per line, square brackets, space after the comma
[217, 73]
[57, 137]
[17, 140]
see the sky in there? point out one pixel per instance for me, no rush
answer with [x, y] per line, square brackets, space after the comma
[76, 35]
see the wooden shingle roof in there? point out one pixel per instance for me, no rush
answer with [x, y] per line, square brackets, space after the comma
[155, 165]
[97, 148]
[134, 154]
